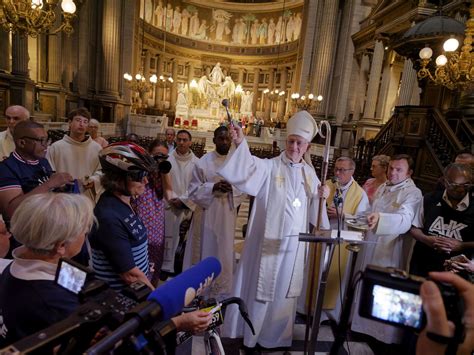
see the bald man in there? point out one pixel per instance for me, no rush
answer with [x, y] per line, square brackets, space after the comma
[26, 171]
[14, 114]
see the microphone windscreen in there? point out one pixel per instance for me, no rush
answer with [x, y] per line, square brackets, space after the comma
[225, 103]
[179, 291]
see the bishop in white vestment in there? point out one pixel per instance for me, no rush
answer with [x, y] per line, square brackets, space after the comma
[269, 276]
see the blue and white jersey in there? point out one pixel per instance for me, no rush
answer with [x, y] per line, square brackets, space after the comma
[120, 241]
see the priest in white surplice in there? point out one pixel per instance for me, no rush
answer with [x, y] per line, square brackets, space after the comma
[219, 202]
[180, 208]
[269, 276]
[394, 207]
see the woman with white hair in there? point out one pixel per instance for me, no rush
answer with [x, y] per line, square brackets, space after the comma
[93, 129]
[49, 226]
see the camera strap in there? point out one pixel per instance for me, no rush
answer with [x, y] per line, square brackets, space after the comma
[440, 339]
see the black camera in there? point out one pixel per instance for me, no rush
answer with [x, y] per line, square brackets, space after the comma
[101, 308]
[164, 166]
[392, 296]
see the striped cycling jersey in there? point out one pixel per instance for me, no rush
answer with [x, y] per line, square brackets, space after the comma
[119, 243]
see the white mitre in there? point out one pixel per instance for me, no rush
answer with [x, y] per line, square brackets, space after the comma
[302, 124]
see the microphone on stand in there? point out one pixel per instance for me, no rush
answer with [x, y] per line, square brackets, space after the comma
[225, 103]
[338, 203]
[338, 194]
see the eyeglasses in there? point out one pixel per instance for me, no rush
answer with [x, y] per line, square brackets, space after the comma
[84, 121]
[42, 141]
[453, 185]
[341, 170]
[137, 175]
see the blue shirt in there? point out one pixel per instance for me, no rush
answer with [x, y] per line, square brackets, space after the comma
[119, 243]
[16, 173]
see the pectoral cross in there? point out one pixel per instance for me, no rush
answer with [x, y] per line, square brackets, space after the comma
[279, 180]
[296, 203]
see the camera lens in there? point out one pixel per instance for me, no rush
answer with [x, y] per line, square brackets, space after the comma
[164, 167]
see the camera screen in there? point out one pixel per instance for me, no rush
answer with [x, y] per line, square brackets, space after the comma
[396, 306]
[71, 277]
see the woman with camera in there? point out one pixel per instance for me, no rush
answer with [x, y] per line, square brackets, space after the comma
[119, 243]
[50, 226]
[150, 207]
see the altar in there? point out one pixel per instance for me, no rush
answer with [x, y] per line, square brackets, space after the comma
[199, 104]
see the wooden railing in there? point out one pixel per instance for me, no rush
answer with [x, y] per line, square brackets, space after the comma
[423, 133]
[440, 138]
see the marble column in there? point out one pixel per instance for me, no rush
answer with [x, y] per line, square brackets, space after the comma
[85, 71]
[240, 79]
[54, 59]
[383, 92]
[174, 86]
[5, 48]
[359, 96]
[256, 74]
[282, 100]
[268, 102]
[146, 66]
[110, 45]
[407, 83]
[374, 81]
[324, 54]
[21, 87]
[20, 56]
[159, 89]
[190, 72]
[309, 41]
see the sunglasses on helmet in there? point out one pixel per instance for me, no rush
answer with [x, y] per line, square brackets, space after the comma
[137, 175]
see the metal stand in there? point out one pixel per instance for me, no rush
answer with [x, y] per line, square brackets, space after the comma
[343, 326]
[328, 244]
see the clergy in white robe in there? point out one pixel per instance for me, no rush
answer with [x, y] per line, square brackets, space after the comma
[180, 208]
[219, 202]
[354, 202]
[78, 154]
[269, 276]
[394, 208]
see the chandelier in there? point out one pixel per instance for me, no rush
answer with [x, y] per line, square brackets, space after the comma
[140, 84]
[454, 69]
[165, 81]
[273, 95]
[305, 102]
[34, 17]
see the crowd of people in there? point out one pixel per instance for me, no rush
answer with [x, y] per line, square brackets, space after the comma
[143, 214]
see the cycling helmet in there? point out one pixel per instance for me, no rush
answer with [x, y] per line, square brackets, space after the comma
[126, 157]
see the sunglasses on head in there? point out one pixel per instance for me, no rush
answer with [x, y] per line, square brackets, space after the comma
[137, 175]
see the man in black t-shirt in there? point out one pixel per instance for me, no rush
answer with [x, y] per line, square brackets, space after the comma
[444, 226]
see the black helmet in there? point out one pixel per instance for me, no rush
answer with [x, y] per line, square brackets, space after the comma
[126, 157]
